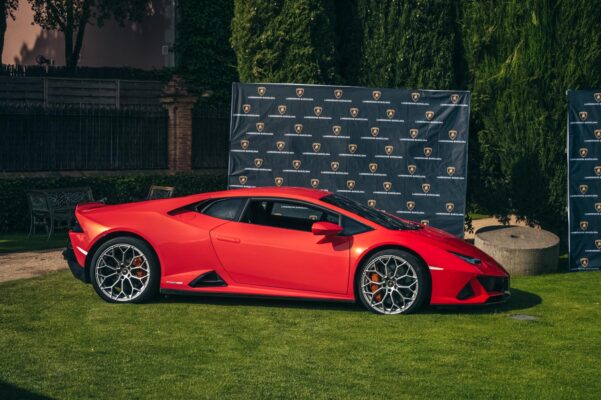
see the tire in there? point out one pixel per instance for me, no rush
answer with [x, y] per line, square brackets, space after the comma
[393, 281]
[125, 270]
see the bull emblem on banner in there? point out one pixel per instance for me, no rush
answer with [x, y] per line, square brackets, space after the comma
[279, 181]
[261, 90]
[354, 112]
[410, 205]
[376, 94]
[597, 97]
[597, 133]
[583, 152]
[336, 129]
[415, 97]
[244, 144]
[583, 225]
[371, 203]
[337, 93]
[296, 164]
[387, 186]
[282, 109]
[317, 110]
[598, 170]
[583, 189]
[449, 207]
[260, 126]
[314, 183]
[454, 98]
[246, 108]
[413, 133]
[280, 145]
[242, 179]
[258, 162]
[388, 149]
[300, 92]
[451, 171]
[298, 128]
[583, 115]
[350, 184]
[426, 187]
[584, 262]
[598, 207]
[316, 147]
[598, 244]
[373, 167]
[412, 168]
[375, 131]
[352, 148]
[427, 151]
[429, 115]
[390, 113]
[424, 222]
[453, 134]
[334, 165]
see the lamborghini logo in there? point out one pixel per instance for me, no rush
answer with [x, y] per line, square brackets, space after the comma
[334, 165]
[410, 205]
[583, 189]
[415, 97]
[317, 110]
[453, 134]
[597, 133]
[300, 92]
[280, 144]
[387, 186]
[279, 181]
[375, 131]
[598, 207]
[260, 126]
[454, 98]
[244, 144]
[412, 168]
[425, 222]
[352, 148]
[246, 108]
[449, 207]
[583, 225]
[258, 162]
[242, 179]
[583, 115]
[282, 109]
[413, 133]
[316, 147]
[298, 128]
[598, 169]
[388, 150]
[583, 152]
[598, 244]
[261, 90]
[373, 167]
[597, 97]
[451, 171]
[376, 94]
[371, 203]
[390, 113]
[426, 187]
[584, 262]
[350, 184]
[429, 115]
[427, 151]
[354, 112]
[336, 129]
[296, 164]
[337, 93]
[314, 183]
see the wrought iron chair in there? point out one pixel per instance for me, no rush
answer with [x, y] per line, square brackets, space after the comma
[39, 211]
[160, 192]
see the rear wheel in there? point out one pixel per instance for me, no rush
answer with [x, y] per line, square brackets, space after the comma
[125, 270]
[393, 281]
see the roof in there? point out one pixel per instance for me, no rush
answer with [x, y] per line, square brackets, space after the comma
[298, 192]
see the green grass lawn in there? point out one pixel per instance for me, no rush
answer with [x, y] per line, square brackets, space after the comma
[19, 242]
[58, 339]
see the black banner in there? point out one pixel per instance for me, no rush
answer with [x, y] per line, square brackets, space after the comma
[403, 151]
[584, 178]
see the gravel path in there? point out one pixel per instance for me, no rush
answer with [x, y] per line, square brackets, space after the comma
[28, 264]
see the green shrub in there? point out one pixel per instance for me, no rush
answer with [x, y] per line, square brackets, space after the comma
[14, 212]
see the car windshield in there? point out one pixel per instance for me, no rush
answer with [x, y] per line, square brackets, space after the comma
[379, 217]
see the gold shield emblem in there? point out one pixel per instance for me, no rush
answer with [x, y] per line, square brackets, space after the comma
[390, 113]
[280, 144]
[298, 128]
[424, 222]
[261, 90]
[449, 207]
[334, 165]
[413, 133]
[316, 147]
[454, 98]
[337, 93]
[387, 186]
[260, 126]
[336, 129]
[598, 207]
[427, 151]
[242, 179]
[429, 115]
[244, 144]
[598, 244]
[352, 148]
[453, 134]
[373, 167]
[300, 91]
[583, 189]
[279, 181]
[426, 187]
[376, 94]
[583, 225]
[375, 131]
[350, 184]
[317, 110]
[415, 97]
[314, 183]
[597, 133]
[388, 149]
[354, 112]
[583, 152]
[246, 108]
[296, 164]
[371, 203]
[597, 97]
[598, 169]
[282, 109]
[410, 205]
[258, 162]
[584, 262]
[583, 115]
[451, 171]
[412, 168]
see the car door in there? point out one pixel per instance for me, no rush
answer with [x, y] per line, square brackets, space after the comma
[272, 245]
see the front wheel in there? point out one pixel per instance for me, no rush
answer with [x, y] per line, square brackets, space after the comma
[125, 270]
[393, 282]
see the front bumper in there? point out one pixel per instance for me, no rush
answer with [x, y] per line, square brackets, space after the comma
[77, 270]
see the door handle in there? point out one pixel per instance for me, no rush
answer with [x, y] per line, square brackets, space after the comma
[227, 239]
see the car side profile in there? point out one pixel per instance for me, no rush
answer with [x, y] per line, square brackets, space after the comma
[277, 242]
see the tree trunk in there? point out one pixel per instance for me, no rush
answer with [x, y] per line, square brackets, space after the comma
[2, 32]
[69, 60]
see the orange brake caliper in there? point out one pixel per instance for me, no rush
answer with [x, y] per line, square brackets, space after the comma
[136, 262]
[373, 287]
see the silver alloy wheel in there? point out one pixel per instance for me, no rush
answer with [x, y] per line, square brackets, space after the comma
[389, 284]
[122, 272]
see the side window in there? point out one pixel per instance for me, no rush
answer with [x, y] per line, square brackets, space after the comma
[286, 214]
[228, 209]
[352, 227]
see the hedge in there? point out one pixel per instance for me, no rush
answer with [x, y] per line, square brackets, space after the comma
[14, 212]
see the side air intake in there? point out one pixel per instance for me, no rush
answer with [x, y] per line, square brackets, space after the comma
[208, 279]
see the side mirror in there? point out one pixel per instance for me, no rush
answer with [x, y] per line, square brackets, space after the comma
[326, 229]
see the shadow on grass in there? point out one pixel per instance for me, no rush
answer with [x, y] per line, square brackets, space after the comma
[520, 300]
[12, 392]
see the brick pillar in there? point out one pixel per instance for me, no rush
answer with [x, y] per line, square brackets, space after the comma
[179, 104]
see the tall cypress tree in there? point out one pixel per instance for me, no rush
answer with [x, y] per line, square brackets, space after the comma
[285, 40]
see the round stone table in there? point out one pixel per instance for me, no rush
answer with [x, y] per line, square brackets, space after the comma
[520, 250]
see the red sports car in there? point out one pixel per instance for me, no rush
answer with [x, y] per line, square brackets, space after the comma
[282, 242]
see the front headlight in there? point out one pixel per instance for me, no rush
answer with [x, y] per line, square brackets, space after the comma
[467, 259]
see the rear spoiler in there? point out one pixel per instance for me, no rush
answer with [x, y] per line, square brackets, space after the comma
[89, 206]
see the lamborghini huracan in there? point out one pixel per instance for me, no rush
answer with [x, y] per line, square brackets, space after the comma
[277, 242]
